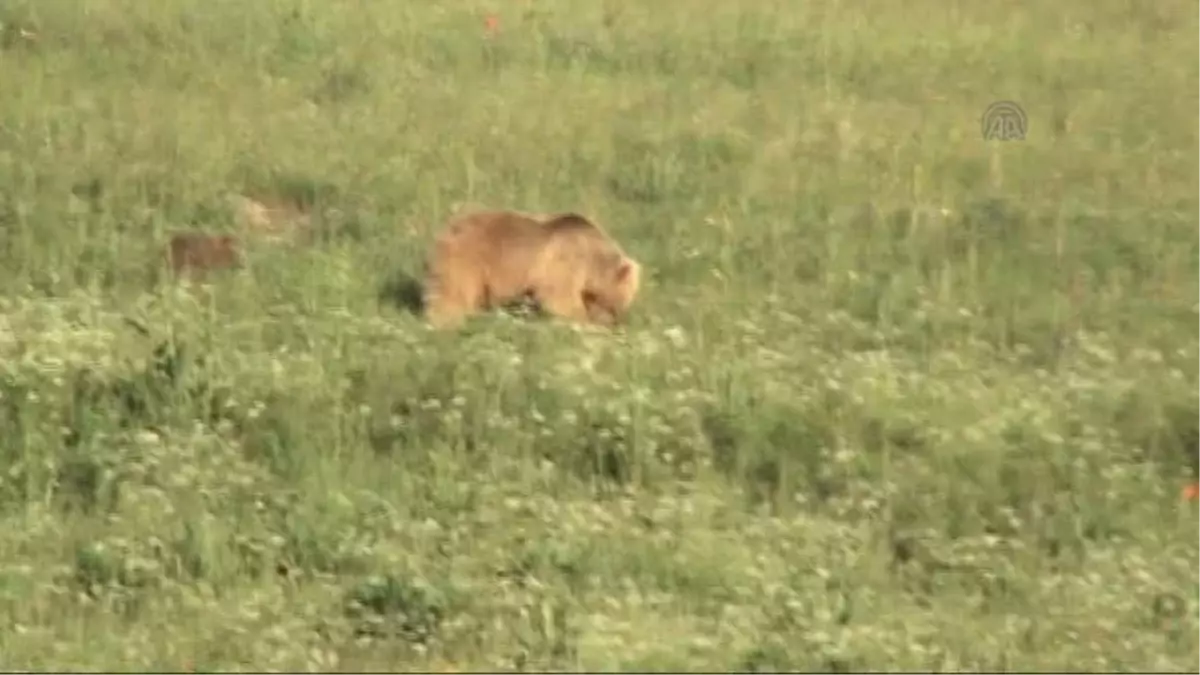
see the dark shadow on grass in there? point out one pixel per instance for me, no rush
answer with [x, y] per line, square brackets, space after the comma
[404, 292]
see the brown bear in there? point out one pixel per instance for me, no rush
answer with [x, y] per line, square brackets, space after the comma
[194, 253]
[563, 262]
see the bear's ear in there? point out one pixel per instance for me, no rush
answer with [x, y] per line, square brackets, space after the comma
[624, 271]
[567, 221]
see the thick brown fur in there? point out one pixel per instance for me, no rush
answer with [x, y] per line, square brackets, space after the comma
[567, 264]
[195, 253]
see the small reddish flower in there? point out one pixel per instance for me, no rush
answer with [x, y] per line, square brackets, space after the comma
[1191, 492]
[492, 24]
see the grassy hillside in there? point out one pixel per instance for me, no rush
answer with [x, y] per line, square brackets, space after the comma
[894, 397]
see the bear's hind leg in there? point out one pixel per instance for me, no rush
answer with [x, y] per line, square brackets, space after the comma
[447, 307]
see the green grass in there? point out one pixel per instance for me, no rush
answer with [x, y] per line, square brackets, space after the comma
[893, 398]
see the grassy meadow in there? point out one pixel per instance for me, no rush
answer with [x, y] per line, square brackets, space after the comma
[893, 397]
